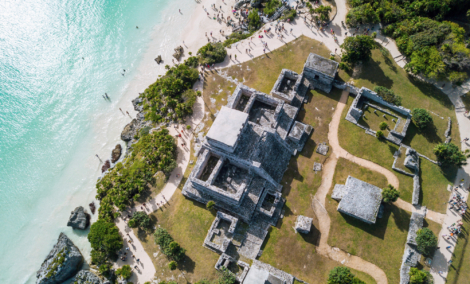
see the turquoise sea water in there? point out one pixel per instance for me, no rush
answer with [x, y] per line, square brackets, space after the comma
[53, 119]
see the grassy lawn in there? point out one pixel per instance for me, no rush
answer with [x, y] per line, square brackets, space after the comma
[434, 179]
[383, 243]
[401, 161]
[372, 119]
[459, 272]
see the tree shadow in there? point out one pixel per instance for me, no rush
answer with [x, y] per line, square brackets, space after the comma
[187, 264]
[429, 133]
[313, 237]
[371, 71]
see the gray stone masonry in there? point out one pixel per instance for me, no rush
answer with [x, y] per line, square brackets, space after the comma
[261, 272]
[221, 233]
[284, 86]
[411, 162]
[322, 149]
[317, 167]
[411, 256]
[416, 223]
[225, 260]
[303, 224]
[447, 133]
[319, 68]
[361, 200]
[226, 128]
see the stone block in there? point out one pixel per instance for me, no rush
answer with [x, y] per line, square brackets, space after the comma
[303, 224]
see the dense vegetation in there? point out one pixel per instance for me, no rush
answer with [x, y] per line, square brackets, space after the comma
[343, 275]
[169, 247]
[449, 154]
[125, 271]
[225, 277]
[212, 53]
[171, 98]
[421, 117]
[235, 37]
[357, 48]
[254, 20]
[271, 7]
[435, 48]
[152, 153]
[140, 220]
[388, 95]
[420, 276]
[427, 241]
[105, 241]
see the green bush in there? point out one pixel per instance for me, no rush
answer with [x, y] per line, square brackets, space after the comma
[323, 12]
[289, 15]
[342, 275]
[226, 277]
[379, 134]
[361, 15]
[343, 66]
[427, 241]
[141, 220]
[132, 223]
[235, 37]
[210, 204]
[172, 265]
[332, 57]
[457, 77]
[383, 125]
[254, 21]
[390, 194]
[374, 35]
[449, 154]
[192, 61]
[212, 53]
[421, 117]
[105, 241]
[104, 269]
[168, 246]
[271, 7]
[125, 271]
[420, 276]
[357, 48]
[388, 95]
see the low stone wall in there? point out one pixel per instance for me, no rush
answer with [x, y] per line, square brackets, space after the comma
[449, 127]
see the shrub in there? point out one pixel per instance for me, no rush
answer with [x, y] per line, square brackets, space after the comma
[192, 62]
[172, 265]
[420, 276]
[361, 15]
[379, 134]
[168, 246]
[132, 223]
[332, 57]
[323, 11]
[449, 154]
[105, 240]
[104, 269]
[427, 241]
[357, 48]
[457, 77]
[421, 117]
[390, 194]
[383, 125]
[210, 204]
[125, 271]
[289, 15]
[271, 7]
[388, 95]
[374, 35]
[254, 20]
[212, 53]
[226, 277]
[343, 66]
[343, 275]
[188, 127]
[235, 37]
[141, 220]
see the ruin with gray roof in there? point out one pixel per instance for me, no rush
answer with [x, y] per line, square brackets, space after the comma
[412, 163]
[411, 256]
[243, 157]
[358, 199]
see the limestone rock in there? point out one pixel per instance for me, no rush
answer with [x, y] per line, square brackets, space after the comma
[116, 153]
[86, 277]
[129, 131]
[158, 59]
[106, 166]
[62, 263]
[79, 219]
[178, 52]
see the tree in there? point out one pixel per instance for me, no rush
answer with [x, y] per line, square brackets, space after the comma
[383, 125]
[104, 239]
[125, 271]
[172, 265]
[343, 275]
[388, 95]
[357, 48]
[379, 134]
[449, 154]
[421, 117]
[427, 241]
[104, 269]
[226, 277]
[212, 53]
[323, 11]
[390, 194]
[253, 19]
[420, 276]
[210, 204]
[141, 220]
[168, 246]
[271, 7]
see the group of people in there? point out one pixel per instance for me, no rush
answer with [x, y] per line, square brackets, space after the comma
[458, 204]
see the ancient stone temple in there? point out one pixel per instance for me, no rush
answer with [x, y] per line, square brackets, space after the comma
[241, 163]
[358, 199]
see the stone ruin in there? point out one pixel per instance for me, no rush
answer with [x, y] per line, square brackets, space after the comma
[358, 199]
[240, 165]
[412, 163]
[411, 256]
[367, 98]
[264, 273]
[317, 167]
[303, 224]
[322, 149]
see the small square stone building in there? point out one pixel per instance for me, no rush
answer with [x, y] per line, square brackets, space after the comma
[358, 199]
[303, 224]
[320, 71]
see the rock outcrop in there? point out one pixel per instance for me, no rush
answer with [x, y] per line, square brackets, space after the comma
[86, 277]
[61, 264]
[106, 166]
[116, 153]
[79, 219]
[129, 131]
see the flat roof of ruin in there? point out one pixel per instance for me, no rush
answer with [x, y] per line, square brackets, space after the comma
[362, 200]
[227, 126]
[322, 64]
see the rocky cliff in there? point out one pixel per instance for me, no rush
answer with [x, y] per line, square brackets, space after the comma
[86, 277]
[62, 263]
[79, 219]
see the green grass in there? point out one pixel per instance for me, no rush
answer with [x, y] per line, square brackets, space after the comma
[382, 243]
[434, 179]
[373, 119]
